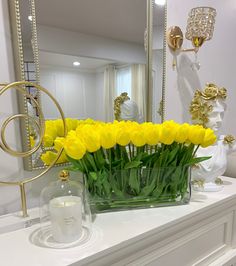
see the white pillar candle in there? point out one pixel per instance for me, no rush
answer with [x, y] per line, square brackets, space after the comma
[66, 218]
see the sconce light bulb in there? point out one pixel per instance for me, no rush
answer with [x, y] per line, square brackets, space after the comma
[76, 63]
[160, 2]
[30, 18]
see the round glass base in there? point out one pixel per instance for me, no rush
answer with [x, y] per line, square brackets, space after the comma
[43, 237]
[208, 187]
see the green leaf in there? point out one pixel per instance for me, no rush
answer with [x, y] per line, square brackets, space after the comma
[90, 158]
[77, 164]
[172, 154]
[133, 180]
[139, 156]
[147, 190]
[93, 175]
[106, 184]
[72, 168]
[133, 164]
[99, 159]
[114, 186]
[116, 163]
[197, 160]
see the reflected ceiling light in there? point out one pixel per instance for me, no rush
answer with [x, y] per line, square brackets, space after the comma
[76, 63]
[30, 18]
[160, 2]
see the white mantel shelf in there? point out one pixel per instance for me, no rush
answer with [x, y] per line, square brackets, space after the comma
[193, 234]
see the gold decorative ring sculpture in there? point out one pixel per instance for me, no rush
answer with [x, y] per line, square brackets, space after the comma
[19, 86]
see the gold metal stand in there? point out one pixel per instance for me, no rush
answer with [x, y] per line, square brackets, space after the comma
[40, 124]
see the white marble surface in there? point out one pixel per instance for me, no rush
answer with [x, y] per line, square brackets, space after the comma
[113, 231]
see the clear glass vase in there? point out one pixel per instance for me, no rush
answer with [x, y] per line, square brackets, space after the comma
[138, 188]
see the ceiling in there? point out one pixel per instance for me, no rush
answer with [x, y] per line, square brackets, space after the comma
[123, 20]
[60, 60]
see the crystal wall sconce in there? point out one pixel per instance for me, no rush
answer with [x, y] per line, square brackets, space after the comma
[200, 28]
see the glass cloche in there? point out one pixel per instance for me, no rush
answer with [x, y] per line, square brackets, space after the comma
[65, 215]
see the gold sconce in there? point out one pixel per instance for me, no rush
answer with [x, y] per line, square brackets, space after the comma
[200, 28]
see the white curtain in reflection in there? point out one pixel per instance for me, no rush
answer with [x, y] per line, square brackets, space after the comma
[109, 92]
[138, 89]
[123, 80]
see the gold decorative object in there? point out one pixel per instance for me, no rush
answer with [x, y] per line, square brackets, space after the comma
[117, 102]
[200, 28]
[64, 175]
[229, 139]
[175, 38]
[20, 87]
[219, 181]
[198, 182]
[201, 107]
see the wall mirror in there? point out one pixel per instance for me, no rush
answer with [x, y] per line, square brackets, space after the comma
[86, 53]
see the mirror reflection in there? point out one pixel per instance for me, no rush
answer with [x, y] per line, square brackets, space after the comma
[87, 53]
[90, 52]
[158, 63]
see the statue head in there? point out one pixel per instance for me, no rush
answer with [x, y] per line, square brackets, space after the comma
[125, 109]
[208, 106]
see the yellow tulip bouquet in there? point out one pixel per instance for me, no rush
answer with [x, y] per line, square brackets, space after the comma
[127, 164]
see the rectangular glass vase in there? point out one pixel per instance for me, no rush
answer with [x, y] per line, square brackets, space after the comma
[126, 189]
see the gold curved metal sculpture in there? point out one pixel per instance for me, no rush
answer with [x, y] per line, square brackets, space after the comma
[19, 86]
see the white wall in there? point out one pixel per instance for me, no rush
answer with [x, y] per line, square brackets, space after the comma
[100, 110]
[72, 43]
[217, 58]
[75, 91]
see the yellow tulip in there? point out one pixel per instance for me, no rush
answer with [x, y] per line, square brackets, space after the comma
[91, 140]
[182, 133]
[196, 134]
[32, 141]
[168, 132]
[108, 136]
[209, 138]
[59, 127]
[152, 134]
[123, 137]
[48, 140]
[58, 143]
[49, 156]
[138, 138]
[74, 147]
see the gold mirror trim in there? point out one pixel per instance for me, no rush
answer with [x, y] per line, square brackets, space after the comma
[163, 92]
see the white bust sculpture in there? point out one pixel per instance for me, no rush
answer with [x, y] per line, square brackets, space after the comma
[207, 108]
[126, 109]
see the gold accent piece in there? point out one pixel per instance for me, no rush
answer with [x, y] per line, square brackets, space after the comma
[20, 87]
[198, 182]
[117, 103]
[218, 181]
[64, 175]
[200, 28]
[229, 139]
[201, 107]
[174, 37]
[198, 41]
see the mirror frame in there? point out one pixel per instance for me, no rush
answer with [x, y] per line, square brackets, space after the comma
[15, 16]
